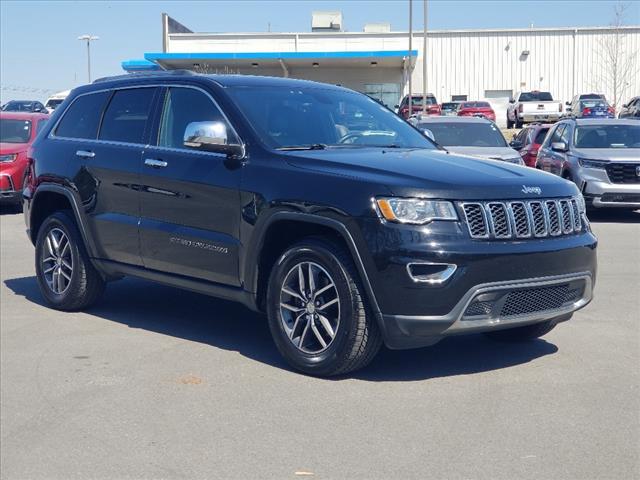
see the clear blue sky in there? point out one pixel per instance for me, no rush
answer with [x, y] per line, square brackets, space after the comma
[39, 50]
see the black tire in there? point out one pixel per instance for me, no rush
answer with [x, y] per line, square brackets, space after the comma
[518, 124]
[357, 336]
[523, 334]
[85, 285]
[509, 123]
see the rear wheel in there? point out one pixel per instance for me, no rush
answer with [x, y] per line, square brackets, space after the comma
[66, 277]
[518, 123]
[509, 123]
[317, 312]
[525, 333]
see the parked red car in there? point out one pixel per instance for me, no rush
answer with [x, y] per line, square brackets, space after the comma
[17, 132]
[528, 141]
[477, 109]
[433, 108]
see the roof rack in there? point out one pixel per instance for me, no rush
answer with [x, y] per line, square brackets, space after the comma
[159, 73]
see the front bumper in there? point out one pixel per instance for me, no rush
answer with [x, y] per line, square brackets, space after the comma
[600, 192]
[415, 313]
[495, 306]
[8, 192]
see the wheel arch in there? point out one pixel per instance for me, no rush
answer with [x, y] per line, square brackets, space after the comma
[50, 198]
[285, 228]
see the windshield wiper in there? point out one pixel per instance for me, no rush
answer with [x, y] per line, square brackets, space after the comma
[314, 146]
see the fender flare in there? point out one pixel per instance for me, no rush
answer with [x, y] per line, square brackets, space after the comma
[87, 237]
[255, 249]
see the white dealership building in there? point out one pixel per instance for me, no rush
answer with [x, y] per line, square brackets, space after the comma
[460, 64]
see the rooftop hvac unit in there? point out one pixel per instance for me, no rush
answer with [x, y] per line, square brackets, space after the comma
[326, 21]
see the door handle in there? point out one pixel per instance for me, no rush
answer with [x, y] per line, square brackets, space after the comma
[85, 154]
[152, 162]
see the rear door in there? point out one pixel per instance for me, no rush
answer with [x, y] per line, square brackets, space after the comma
[190, 201]
[99, 141]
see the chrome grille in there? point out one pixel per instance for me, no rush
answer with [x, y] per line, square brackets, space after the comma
[476, 221]
[522, 219]
[539, 217]
[499, 220]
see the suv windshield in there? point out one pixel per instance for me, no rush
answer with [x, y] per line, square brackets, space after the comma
[607, 136]
[536, 97]
[457, 134]
[294, 117]
[14, 131]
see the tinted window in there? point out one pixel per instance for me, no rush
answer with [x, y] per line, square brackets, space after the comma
[458, 134]
[449, 106]
[126, 116]
[14, 131]
[542, 133]
[555, 137]
[41, 123]
[608, 136]
[564, 137]
[183, 106]
[535, 97]
[303, 116]
[82, 118]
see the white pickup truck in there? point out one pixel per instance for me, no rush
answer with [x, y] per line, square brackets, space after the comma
[528, 107]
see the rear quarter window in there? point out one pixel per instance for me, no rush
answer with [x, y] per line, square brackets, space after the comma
[82, 118]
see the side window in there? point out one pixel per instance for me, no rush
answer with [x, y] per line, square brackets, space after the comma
[565, 135]
[557, 134]
[126, 116]
[183, 106]
[82, 118]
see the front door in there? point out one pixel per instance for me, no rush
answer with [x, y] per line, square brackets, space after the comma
[190, 202]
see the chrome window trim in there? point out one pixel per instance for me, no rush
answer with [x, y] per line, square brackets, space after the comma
[98, 141]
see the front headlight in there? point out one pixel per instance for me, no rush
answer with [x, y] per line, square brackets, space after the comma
[415, 210]
[592, 163]
[8, 158]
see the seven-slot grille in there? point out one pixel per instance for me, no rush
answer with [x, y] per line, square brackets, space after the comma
[623, 172]
[522, 219]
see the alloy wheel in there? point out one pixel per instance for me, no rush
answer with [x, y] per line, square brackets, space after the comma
[57, 261]
[309, 307]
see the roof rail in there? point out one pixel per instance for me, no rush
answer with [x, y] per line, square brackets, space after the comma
[159, 73]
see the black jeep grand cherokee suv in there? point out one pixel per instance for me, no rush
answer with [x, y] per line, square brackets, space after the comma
[306, 201]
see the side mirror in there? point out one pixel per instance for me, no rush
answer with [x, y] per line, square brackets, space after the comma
[515, 144]
[210, 136]
[567, 103]
[396, 106]
[429, 134]
[568, 109]
[626, 105]
[559, 147]
[512, 100]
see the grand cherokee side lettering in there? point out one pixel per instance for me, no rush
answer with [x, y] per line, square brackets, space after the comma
[195, 244]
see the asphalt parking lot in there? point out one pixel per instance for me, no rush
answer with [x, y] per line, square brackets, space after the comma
[161, 383]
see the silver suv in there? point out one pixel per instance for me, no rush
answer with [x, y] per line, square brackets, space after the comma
[602, 157]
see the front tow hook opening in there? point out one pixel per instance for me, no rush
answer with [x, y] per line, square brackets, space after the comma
[431, 273]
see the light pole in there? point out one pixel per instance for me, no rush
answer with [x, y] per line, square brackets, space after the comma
[410, 47]
[88, 39]
[424, 61]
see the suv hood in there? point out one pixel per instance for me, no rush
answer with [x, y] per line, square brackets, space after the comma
[7, 148]
[490, 153]
[433, 173]
[611, 154]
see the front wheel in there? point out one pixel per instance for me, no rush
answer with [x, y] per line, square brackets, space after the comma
[317, 312]
[66, 277]
[525, 333]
